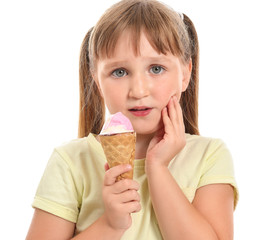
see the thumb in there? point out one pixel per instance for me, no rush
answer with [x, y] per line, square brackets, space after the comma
[106, 167]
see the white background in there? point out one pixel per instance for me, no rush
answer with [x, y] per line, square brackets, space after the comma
[39, 51]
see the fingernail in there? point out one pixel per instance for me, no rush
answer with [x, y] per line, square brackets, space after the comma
[128, 166]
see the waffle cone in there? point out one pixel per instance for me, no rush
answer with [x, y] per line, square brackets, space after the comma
[120, 149]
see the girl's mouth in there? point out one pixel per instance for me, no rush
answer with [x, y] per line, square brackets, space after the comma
[140, 111]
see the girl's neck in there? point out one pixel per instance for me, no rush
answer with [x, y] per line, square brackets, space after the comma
[142, 144]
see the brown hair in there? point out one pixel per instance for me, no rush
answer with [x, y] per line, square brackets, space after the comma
[92, 109]
[166, 32]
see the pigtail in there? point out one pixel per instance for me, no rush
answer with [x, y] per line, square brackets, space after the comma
[92, 109]
[189, 99]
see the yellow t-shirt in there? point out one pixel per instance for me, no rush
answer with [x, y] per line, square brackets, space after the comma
[72, 182]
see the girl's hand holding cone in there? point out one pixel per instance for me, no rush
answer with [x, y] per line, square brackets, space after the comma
[120, 197]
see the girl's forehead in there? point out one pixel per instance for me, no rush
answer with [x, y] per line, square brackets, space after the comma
[126, 42]
[125, 52]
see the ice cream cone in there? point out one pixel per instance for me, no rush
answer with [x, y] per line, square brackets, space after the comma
[120, 149]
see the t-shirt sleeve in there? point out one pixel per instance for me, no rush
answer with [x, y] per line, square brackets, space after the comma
[58, 191]
[218, 167]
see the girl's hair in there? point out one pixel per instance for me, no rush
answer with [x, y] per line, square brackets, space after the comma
[166, 32]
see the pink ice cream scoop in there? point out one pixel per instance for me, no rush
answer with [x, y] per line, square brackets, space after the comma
[117, 123]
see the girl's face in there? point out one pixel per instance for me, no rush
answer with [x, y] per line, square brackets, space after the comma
[140, 85]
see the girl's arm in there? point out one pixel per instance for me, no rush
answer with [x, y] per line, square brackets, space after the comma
[120, 200]
[48, 226]
[210, 217]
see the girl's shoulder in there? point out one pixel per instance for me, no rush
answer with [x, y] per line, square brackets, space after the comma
[202, 140]
[204, 145]
[78, 151]
[81, 145]
[203, 161]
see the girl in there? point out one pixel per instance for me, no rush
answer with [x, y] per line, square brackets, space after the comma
[141, 59]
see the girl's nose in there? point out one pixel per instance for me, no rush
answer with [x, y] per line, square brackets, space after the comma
[139, 87]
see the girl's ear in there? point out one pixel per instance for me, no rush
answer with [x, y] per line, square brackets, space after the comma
[187, 75]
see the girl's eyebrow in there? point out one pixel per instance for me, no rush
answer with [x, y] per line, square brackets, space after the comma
[159, 59]
[114, 64]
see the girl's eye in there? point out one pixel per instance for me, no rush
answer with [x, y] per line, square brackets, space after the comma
[118, 73]
[156, 69]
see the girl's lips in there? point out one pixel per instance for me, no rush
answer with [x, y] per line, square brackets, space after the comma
[140, 111]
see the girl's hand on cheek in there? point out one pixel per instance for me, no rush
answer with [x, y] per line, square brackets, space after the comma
[120, 198]
[170, 139]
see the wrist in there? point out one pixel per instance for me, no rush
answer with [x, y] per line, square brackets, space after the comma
[100, 230]
[110, 229]
[154, 162]
[155, 168]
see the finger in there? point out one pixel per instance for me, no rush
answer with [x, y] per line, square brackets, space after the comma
[130, 195]
[131, 207]
[172, 109]
[106, 167]
[176, 112]
[180, 123]
[158, 136]
[137, 207]
[124, 185]
[112, 173]
[166, 121]
[178, 109]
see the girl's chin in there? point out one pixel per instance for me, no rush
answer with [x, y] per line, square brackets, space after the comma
[141, 133]
[147, 126]
[147, 130]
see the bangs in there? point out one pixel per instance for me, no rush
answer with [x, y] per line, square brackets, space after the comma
[163, 27]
